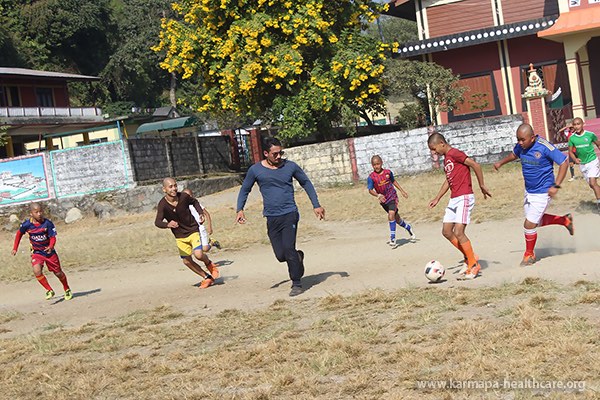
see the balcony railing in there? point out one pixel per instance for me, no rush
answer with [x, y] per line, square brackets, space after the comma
[28, 112]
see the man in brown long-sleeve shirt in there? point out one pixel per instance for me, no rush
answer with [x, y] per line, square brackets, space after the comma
[174, 208]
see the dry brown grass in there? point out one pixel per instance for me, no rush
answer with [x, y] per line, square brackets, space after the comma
[374, 345]
[94, 243]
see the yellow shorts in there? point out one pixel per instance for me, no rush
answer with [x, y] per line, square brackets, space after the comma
[188, 244]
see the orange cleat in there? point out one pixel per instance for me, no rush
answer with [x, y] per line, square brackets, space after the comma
[206, 283]
[569, 224]
[528, 259]
[214, 271]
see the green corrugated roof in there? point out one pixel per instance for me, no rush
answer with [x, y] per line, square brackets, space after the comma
[167, 124]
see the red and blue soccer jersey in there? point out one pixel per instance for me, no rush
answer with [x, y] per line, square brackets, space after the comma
[537, 163]
[39, 235]
[383, 183]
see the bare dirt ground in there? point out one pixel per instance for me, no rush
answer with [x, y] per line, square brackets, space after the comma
[344, 258]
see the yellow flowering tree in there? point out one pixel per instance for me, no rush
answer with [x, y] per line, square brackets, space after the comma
[301, 64]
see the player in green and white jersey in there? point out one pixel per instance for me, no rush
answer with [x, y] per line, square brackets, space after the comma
[581, 149]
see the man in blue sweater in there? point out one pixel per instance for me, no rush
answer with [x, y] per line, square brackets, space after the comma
[274, 176]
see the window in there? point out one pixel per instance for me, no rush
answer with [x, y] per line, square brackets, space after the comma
[480, 98]
[44, 97]
[9, 96]
[14, 99]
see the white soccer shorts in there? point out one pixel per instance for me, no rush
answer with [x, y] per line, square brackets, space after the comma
[203, 235]
[459, 209]
[535, 205]
[590, 170]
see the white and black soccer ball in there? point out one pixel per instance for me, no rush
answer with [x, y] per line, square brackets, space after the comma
[434, 271]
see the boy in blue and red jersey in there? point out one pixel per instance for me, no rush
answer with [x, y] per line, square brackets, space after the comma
[457, 166]
[381, 184]
[537, 161]
[42, 238]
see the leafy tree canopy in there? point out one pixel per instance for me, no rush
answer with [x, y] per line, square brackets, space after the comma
[75, 33]
[424, 81]
[132, 73]
[302, 64]
[393, 30]
[417, 83]
[108, 38]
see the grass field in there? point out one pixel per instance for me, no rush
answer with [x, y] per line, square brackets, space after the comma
[376, 345]
[373, 345]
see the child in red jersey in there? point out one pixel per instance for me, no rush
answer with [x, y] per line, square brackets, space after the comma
[381, 184]
[462, 200]
[42, 238]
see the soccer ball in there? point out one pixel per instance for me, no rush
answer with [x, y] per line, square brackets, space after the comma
[434, 271]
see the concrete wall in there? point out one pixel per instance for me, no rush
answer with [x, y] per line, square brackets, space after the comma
[325, 163]
[405, 152]
[215, 153]
[90, 169]
[184, 156]
[156, 158]
[485, 140]
[149, 157]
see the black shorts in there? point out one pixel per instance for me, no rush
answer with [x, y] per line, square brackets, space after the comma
[390, 206]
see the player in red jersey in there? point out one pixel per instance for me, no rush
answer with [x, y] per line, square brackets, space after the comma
[42, 238]
[381, 184]
[462, 200]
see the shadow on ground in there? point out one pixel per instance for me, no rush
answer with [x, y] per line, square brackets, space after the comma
[78, 294]
[309, 281]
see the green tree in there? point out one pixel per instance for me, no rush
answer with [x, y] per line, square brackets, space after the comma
[302, 65]
[10, 36]
[479, 102]
[132, 73]
[3, 134]
[75, 33]
[392, 30]
[426, 82]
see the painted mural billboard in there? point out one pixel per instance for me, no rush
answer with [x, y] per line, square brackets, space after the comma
[23, 179]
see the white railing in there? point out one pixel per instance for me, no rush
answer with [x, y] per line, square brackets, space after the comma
[7, 112]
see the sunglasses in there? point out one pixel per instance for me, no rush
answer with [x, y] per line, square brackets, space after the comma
[278, 153]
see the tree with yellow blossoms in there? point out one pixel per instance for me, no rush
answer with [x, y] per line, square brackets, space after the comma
[303, 65]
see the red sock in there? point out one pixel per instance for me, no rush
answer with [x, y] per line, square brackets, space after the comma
[549, 219]
[530, 239]
[64, 282]
[44, 282]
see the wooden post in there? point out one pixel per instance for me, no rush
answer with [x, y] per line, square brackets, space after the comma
[10, 150]
[49, 144]
[86, 138]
